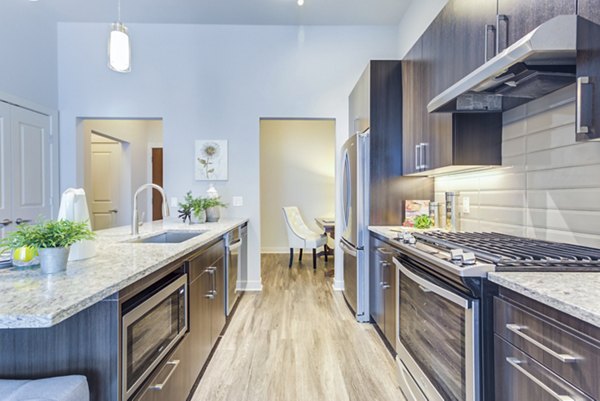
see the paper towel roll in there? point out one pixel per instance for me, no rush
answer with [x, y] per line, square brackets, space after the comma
[73, 207]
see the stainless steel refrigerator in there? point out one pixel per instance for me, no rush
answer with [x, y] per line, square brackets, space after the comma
[355, 222]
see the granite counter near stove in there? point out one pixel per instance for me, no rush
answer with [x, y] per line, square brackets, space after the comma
[574, 293]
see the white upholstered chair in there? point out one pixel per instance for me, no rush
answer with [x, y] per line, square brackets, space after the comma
[300, 236]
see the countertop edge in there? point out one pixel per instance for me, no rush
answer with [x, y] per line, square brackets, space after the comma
[578, 311]
[35, 321]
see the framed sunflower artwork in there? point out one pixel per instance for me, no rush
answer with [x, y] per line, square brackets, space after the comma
[211, 160]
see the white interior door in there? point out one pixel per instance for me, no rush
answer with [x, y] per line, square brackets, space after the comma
[105, 182]
[5, 168]
[31, 163]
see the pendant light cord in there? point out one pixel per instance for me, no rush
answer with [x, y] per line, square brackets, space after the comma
[119, 10]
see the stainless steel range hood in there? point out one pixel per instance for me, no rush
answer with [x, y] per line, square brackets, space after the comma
[539, 63]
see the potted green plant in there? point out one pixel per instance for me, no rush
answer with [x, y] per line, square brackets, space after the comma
[52, 239]
[192, 209]
[212, 206]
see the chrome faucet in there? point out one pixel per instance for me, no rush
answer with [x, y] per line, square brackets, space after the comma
[165, 208]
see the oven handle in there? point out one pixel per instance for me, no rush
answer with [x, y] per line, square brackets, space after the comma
[428, 286]
[515, 363]
[160, 386]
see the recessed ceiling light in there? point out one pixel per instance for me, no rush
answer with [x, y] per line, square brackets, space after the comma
[300, 2]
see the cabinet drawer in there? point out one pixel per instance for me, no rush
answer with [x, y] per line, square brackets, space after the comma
[521, 378]
[170, 382]
[204, 258]
[568, 355]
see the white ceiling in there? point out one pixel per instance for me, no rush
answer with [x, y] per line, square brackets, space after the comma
[252, 12]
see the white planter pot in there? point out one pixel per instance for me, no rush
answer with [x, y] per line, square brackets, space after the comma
[200, 218]
[54, 260]
[213, 214]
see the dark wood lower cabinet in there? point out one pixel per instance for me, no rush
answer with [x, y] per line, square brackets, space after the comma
[543, 354]
[382, 292]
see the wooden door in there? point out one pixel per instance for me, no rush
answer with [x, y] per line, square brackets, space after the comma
[105, 194]
[518, 17]
[376, 302]
[31, 148]
[412, 100]
[468, 36]
[589, 9]
[6, 217]
[157, 178]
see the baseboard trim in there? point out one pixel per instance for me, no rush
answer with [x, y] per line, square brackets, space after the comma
[250, 286]
[275, 250]
[338, 285]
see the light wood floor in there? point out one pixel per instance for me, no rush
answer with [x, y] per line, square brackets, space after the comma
[297, 340]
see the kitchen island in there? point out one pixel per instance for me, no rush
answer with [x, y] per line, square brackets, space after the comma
[75, 322]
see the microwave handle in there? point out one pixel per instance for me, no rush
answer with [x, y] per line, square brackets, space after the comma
[428, 286]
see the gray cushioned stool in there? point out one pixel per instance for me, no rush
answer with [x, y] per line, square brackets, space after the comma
[63, 388]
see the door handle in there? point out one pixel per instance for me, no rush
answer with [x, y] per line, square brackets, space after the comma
[6, 222]
[501, 18]
[488, 28]
[21, 221]
[160, 386]
[113, 211]
[564, 358]
[581, 129]
[515, 363]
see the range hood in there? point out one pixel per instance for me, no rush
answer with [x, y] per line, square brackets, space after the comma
[539, 63]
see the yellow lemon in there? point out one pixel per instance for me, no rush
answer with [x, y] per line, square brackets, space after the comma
[24, 253]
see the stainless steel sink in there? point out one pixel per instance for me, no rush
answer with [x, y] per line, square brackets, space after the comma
[168, 237]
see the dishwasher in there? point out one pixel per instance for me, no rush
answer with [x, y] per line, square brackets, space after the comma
[235, 245]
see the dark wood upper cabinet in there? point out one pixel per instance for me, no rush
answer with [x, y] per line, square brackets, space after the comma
[516, 18]
[589, 9]
[413, 99]
[587, 125]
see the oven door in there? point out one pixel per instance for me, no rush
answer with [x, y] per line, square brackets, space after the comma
[151, 328]
[437, 336]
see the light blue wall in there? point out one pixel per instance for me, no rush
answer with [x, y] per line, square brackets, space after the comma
[215, 82]
[28, 69]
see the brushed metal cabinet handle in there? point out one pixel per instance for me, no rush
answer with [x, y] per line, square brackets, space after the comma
[6, 222]
[417, 154]
[581, 129]
[564, 358]
[488, 28]
[160, 386]
[501, 18]
[515, 363]
[385, 251]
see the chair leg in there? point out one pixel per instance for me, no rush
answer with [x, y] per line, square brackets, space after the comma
[315, 258]
[291, 257]
[325, 251]
[300, 258]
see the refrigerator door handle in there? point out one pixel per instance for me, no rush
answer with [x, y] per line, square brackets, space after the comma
[347, 249]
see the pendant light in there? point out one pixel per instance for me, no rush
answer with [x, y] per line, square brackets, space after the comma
[119, 46]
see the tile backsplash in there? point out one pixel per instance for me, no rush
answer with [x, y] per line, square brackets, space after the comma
[548, 186]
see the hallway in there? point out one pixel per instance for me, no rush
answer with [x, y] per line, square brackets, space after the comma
[297, 340]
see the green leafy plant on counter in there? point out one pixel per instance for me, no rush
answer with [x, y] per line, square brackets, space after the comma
[213, 202]
[49, 234]
[423, 221]
[191, 205]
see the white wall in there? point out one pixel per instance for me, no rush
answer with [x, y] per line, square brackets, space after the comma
[549, 188]
[137, 134]
[29, 60]
[210, 81]
[297, 168]
[415, 20]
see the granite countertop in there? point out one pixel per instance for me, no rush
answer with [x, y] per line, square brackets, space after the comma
[577, 294]
[31, 299]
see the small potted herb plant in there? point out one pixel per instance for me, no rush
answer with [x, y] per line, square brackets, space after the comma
[213, 212]
[192, 209]
[52, 239]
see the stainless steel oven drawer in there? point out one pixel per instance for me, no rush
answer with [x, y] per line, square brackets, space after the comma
[520, 378]
[566, 354]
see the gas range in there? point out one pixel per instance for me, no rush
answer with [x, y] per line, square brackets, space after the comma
[476, 254]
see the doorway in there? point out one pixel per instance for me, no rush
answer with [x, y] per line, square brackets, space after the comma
[297, 168]
[119, 156]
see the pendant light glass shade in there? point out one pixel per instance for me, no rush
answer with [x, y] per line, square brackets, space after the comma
[119, 48]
